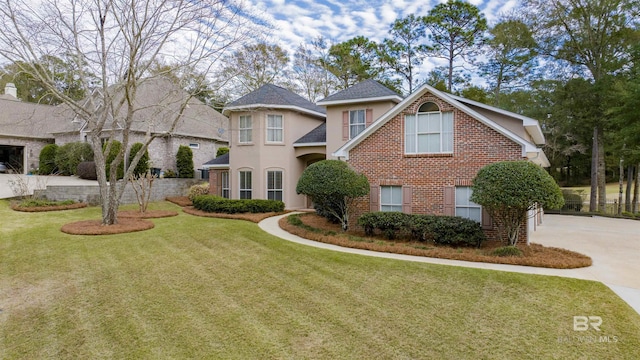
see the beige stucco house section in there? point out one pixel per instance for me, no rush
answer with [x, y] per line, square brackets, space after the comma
[261, 156]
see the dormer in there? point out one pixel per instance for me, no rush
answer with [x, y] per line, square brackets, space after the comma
[352, 110]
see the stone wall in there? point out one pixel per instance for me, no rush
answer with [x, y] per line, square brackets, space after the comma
[162, 188]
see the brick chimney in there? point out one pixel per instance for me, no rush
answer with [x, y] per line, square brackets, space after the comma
[10, 89]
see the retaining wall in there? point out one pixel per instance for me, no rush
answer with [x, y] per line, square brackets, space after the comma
[161, 189]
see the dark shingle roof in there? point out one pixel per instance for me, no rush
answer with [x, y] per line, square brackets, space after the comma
[367, 89]
[317, 135]
[276, 96]
[220, 160]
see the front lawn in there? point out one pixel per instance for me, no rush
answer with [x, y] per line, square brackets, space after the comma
[196, 287]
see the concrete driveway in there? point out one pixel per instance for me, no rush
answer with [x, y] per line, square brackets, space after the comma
[32, 182]
[613, 244]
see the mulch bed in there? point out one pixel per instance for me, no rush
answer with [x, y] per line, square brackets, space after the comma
[16, 206]
[256, 218]
[95, 227]
[149, 214]
[180, 200]
[533, 255]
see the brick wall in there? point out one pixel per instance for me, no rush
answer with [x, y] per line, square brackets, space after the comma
[381, 158]
[161, 189]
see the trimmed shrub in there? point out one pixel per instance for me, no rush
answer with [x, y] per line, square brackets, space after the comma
[143, 165]
[87, 170]
[221, 151]
[389, 223]
[68, 156]
[197, 190]
[184, 162]
[507, 251]
[333, 186]
[116, 147]
[216, 204]
[47, 164]
[444, 230]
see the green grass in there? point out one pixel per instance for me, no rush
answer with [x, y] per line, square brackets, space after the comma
[210, 288]
[613, 190]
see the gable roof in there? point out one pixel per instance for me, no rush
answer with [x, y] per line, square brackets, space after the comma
[365, 91]
[221, 161]
[157, 103]
[315, 137]
[23, 119]
[272, 96]
[529, 150]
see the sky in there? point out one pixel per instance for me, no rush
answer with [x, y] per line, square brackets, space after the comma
[299, 21]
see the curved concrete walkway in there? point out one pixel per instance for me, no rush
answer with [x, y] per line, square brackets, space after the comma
[613, 244]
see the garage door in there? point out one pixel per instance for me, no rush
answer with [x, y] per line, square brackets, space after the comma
[13, 157]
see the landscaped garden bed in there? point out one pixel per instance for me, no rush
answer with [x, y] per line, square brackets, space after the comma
[32, 205]
[317, 228]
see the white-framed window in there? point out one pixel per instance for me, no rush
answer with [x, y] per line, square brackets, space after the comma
[246, 188]
[275, 128]
[390, 198]
[357, 122]
[194, 145]
[224, 184]
[245, 127]
[275, 189]
[466, 208]
[429, 131]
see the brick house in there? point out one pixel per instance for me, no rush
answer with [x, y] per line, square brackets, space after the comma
[422, 155]
[419, 153]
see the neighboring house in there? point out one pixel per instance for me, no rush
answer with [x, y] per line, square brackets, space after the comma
[419, 153]
[274, 135]
[158, 103]
[26, 127]
[23, 131]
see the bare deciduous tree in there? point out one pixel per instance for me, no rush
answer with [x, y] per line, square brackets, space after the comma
[117, 41]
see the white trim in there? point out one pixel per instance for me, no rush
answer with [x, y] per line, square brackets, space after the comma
[215, 166]
[531, 125]
[343, 151]
[310, 144]
[394, 98]
[226, 110]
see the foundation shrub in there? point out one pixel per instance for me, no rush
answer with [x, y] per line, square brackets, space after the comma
[87, 170]
[197, 190]
[216, 204]
[47, 165]
[444, 230]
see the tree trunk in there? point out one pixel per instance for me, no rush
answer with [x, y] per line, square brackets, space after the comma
[593, 198]
[627, 195]
[620, 185]
[602, 181]
[636, 182]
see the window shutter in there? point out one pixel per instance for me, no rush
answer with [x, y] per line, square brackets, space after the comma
[450, 201]
[407, 197]
[374, 198]
[345, 125]
[368, 117]
[487, 222]
[213, 182]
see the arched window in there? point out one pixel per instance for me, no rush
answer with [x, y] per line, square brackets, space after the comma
[429, 131]
[428, 107]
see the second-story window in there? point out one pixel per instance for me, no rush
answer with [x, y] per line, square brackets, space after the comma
[356, 122]
[430, 131]
[245, 129]
[274, 128]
